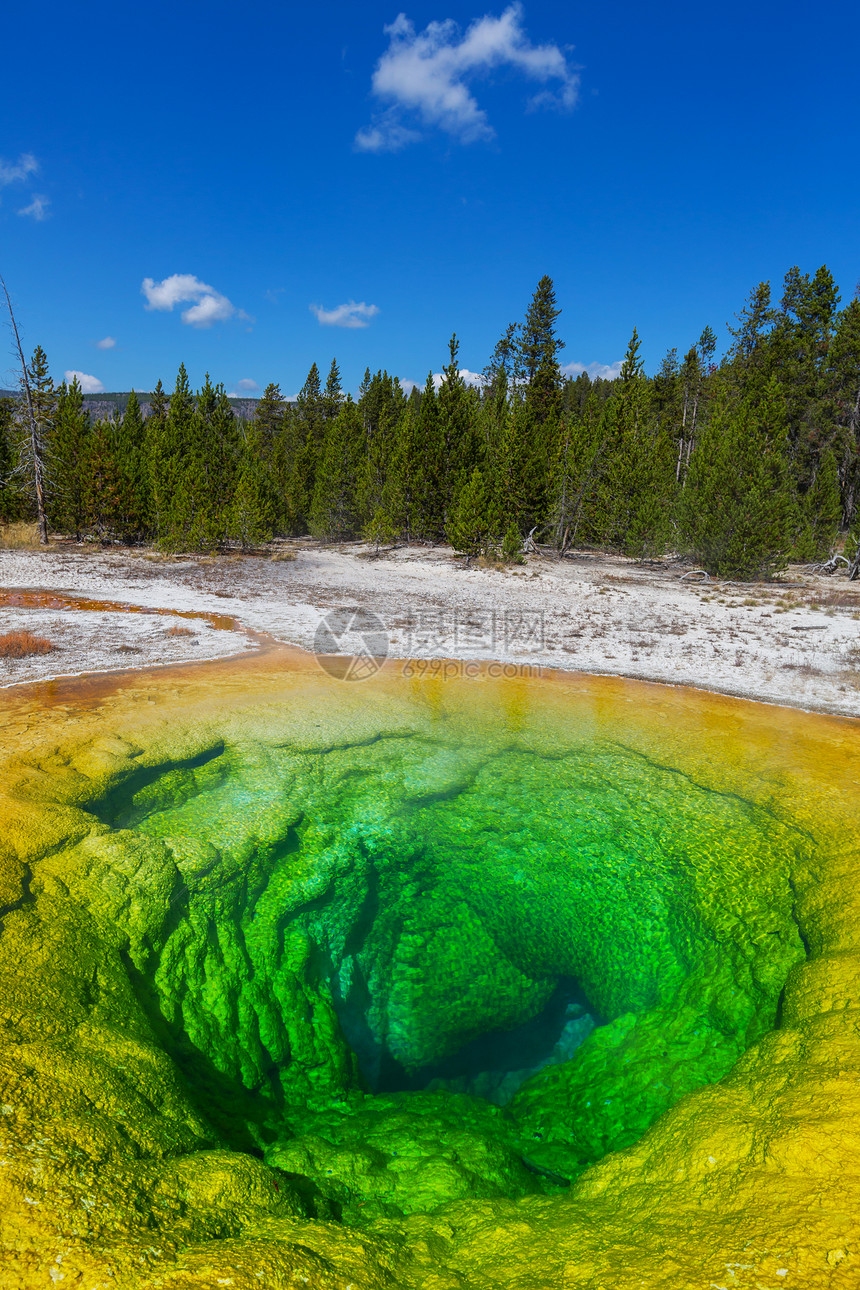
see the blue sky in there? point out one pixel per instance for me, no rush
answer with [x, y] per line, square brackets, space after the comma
[251, 188]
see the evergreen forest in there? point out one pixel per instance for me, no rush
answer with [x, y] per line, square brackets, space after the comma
[742, 464]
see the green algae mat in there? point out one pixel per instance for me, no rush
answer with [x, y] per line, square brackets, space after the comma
[429, 984]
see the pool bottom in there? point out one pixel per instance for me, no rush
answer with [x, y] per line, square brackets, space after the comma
[128, 1175]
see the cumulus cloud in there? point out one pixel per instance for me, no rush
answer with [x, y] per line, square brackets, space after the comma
[206, 305]
[108, 342]
[471, 378]
[38, 208]
[386, 134]
[423, 77]
[89, 384]
[246, 385]
[347, 315]
[605, 371]
[13, 172]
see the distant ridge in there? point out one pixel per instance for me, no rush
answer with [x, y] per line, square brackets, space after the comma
[106, 405]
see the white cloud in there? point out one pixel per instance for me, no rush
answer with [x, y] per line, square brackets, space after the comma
[38, 208]
[246, 385]
[208, 310]
[386, 134]
[471, 378]
[89, 384]
[109, 342]
[425, 74]
[13, 172]
[208, 306]
[347, 315]
[606, 371]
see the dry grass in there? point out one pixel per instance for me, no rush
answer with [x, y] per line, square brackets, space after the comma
[278, 556]
[179, 631]
[835, 600]
[19, 537]
[804, 668]
[23, 644]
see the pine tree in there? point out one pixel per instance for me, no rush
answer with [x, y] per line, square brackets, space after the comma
[738, 510]
[401, 491]
[286, 467]
[132, 513]
[311, 421]
[844, 379]
[381, 408]
[799, 348]
[706, 346]
[380, 529]
[335, 509]
[70, 445]
[221, 443]
[539, 348]
[33, 451]
[512, 546]
[467, 529]
[10, 496]
[427, 464]
[638, 477]
[333, 393]
[632, 366]
[576, 392]
[666, 384]
[691, 379]
[502, 379]
[157, 463]
[578, 501]
[749, 355]
[458, 443]
[251, 514]
[820, 512]
[202, 522]
[177, 468]
[521, 474]
[270, 416]
[102, 486]
[366, 382]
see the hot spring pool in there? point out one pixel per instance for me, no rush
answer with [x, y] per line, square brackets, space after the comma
[426, 983]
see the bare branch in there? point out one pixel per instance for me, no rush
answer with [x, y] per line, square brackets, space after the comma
[35, 447]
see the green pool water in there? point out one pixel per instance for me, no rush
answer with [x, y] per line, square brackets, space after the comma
[417, 967]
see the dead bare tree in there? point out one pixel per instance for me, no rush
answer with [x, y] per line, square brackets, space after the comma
[35, 446]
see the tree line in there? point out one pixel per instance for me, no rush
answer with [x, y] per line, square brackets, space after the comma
[743, 463]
